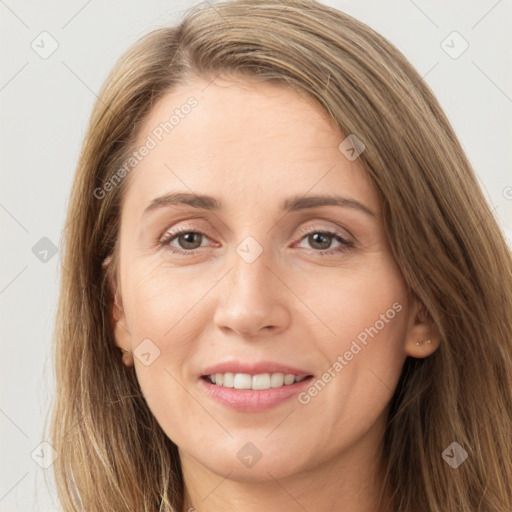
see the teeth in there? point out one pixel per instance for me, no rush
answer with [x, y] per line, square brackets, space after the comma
[288, 379]
[229, 380]
[261, 381]
[256, 382]
[242, 381]
[276, 380]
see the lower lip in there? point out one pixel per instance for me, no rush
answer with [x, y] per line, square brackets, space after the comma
[248, 400]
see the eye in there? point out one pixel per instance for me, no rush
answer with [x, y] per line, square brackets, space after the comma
[187, 239]
[321, 240]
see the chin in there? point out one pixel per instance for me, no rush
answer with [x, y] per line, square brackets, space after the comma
[245, 461]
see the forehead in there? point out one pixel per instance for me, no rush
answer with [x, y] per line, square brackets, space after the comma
[244, 140]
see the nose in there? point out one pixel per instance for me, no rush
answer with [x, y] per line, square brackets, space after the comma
[252, 300]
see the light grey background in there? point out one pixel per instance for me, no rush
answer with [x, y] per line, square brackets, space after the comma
[45, 107]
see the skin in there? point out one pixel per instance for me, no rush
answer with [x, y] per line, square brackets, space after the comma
[252, 145]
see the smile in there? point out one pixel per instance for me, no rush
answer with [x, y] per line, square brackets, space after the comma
[257, 382]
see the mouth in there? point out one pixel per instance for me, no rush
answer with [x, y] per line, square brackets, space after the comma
[258, 382]
[253, 387]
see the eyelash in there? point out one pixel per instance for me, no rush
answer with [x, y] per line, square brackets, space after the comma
[171, 235]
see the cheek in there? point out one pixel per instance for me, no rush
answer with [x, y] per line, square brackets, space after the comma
[364, 303]
[163, 305]
[365, 315]
[163, 322]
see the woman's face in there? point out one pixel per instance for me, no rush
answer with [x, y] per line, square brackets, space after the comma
[267, 278]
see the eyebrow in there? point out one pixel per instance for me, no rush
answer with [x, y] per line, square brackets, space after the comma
[292, 204]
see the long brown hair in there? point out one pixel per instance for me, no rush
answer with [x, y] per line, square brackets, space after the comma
[112, 454]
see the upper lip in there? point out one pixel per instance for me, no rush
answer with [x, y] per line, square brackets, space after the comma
[254, 368]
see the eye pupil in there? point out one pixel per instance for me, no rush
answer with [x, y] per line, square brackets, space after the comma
[189, 239]
[325, 245]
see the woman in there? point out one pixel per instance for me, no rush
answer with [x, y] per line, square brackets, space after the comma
[285, 289]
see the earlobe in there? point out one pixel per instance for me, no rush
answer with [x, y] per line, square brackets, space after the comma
[121, 332]
[106, 262]
[423, 337]
[127, 357]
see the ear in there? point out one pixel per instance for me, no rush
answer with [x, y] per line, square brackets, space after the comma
[122, 337]
[423, 337]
